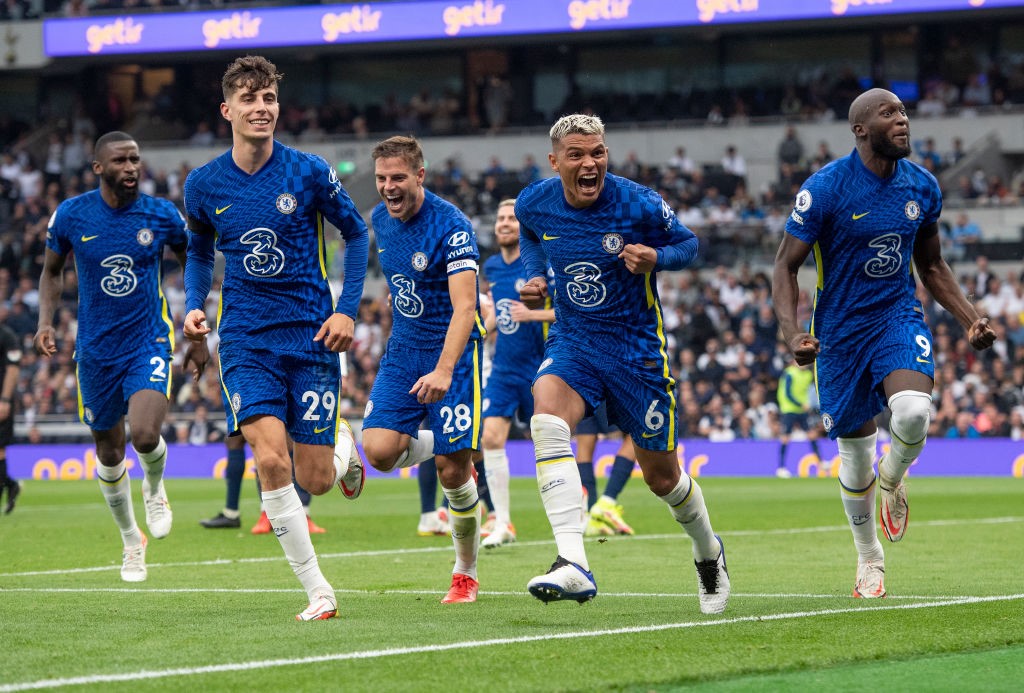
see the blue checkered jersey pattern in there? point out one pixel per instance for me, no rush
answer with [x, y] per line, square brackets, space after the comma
[518, 347]
[417, 256]
[862, 231]
[270, 227]
[118, 254]
[594, 292]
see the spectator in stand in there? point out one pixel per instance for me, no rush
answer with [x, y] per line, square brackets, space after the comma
[497, 99]
[530, 171]
[963, 427]
[929, 157]
[76, 8]
[734, 163]
[30, 180]
[823, 156]
[931, 105]
[996, 191]
[977, 93]
[203, 135]
[791, 149]
[956, 153]
[964, 234]
[791, 104]
[494, 168]
[682, 162]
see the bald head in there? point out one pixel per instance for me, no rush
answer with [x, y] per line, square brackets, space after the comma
[878, 120]
[867, 103]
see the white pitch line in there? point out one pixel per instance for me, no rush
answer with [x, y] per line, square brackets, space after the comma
[429, 593]
[471, 644]
[447, 548]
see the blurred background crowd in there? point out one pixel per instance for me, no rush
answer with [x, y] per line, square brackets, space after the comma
[723, 337]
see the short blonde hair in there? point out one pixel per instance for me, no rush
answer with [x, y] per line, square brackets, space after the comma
[576, 124]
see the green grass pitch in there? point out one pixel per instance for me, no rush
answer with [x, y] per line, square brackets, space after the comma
[217, 612]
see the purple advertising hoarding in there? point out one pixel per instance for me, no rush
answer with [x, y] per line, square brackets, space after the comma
[942, 457]
[325, 25]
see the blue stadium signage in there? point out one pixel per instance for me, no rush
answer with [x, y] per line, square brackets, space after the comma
[323, 25]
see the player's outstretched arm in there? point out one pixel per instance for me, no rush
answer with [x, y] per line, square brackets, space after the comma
[51, 283]
[337, 332]
[786, 292]
[938, 278]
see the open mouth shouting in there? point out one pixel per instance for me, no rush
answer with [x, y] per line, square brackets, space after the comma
[395, 203]
[587, 184]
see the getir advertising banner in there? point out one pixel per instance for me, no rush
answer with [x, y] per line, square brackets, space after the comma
[324, 25]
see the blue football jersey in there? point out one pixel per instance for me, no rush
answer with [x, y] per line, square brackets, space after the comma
[416, 257]
[118, 254]
[270, 227]
[862, 230]
[518, 347]
[594, 292]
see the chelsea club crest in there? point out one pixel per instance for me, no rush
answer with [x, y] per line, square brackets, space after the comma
[419, 261]
[612, 243]
[286, 203]
[144, 237]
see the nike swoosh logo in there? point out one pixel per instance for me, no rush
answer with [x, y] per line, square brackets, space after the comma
[921, 360]
[321, 430]
[156, 380]
[452, 439]
[549, 238]
[648, 435]
[89, 238]
[860, 216]
[380, 250]
[221, 210]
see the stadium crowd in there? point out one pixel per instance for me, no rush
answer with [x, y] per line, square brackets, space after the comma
[722, 332]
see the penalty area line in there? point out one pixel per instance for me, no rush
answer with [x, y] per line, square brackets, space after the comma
[470, 644]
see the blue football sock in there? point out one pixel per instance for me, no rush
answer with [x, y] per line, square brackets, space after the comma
[481, 485]
[233, 474]
[426, 474]
[622, 469]
[588, 480]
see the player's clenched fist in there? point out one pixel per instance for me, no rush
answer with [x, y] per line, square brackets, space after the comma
[805, 348]
[639, 259]
[981, 335]
[195, 327]
[534, 292]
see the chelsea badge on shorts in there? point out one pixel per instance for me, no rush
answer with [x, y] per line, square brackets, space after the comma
[286, 203]
[827, 422]
[236, 402]
[612, 243]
